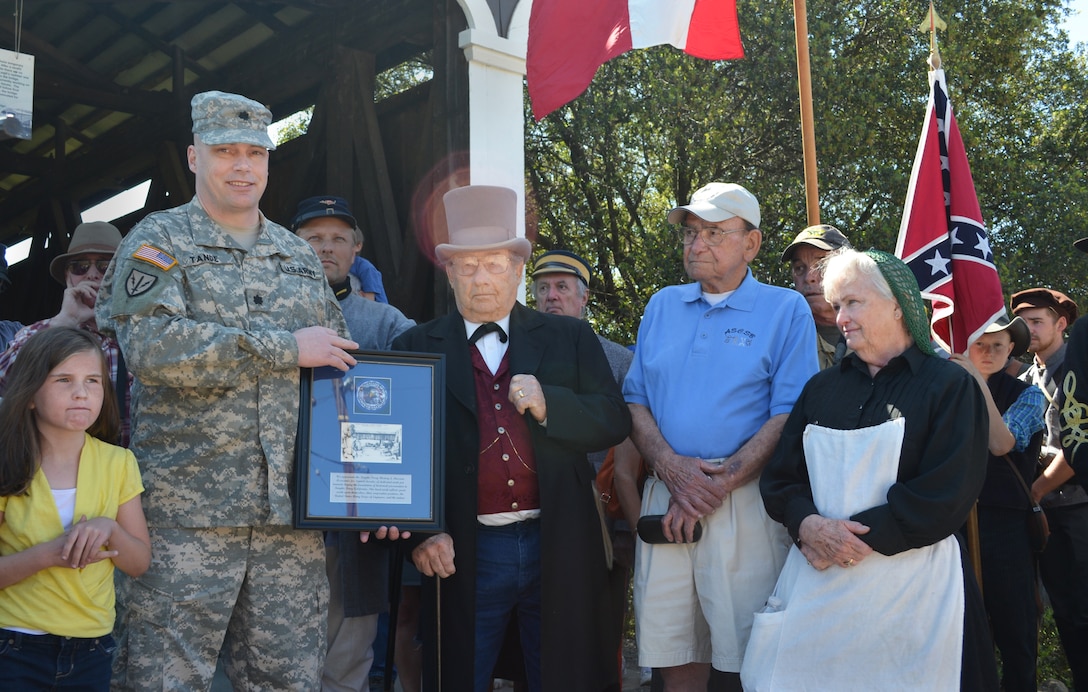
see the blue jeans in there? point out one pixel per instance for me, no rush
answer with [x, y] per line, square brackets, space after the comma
[507, 581]
[51, 662]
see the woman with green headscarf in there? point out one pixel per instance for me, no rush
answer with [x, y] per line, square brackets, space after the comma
[877, 468]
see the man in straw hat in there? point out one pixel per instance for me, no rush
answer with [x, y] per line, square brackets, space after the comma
[527, 396]
[80, 271]
[719, 364]
[216, 309]
[1063, 565]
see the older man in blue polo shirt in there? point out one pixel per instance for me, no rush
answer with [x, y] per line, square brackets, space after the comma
[719, 364]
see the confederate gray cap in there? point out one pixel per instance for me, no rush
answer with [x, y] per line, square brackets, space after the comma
[221, 118]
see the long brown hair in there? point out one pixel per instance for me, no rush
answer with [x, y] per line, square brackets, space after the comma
[20, 449]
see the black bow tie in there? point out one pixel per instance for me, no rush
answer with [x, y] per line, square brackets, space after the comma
[484, 329]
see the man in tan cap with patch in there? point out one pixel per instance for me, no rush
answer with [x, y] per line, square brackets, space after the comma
[806, 255]
[527, 396]
[80, 271]
[216, 309]
[719, 364]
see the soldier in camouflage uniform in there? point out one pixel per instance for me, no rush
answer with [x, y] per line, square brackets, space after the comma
[216, 309]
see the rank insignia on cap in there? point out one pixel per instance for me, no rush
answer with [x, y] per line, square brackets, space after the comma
[155, 256]
[139, 283]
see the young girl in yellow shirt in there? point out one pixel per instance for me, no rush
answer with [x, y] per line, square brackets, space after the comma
[69, 512]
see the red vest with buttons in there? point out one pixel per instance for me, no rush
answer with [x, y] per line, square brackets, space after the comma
[507, 479]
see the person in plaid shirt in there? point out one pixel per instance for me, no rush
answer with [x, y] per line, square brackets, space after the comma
[80, 271]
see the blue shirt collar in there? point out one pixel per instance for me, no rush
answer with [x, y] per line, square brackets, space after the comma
[743, 298]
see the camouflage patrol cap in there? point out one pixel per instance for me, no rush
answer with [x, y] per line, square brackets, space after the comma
[221, 118]
[822, 237]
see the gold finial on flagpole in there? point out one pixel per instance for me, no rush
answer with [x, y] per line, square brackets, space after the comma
[931, 24]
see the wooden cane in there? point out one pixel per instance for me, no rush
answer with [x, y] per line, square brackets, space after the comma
[438, 635]
[973, 548]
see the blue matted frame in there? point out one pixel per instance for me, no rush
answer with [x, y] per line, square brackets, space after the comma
[370, 448]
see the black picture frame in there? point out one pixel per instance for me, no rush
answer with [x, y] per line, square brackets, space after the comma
[370, 448]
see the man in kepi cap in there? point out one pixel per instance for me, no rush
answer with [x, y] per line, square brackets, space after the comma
[358, 572]
[80, 271]
[805, 255]
[527, 396]
[719, 364]
[216, 309]
[561, 287]
[1063, 565]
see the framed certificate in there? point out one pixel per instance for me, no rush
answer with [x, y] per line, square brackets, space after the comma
[370, 444]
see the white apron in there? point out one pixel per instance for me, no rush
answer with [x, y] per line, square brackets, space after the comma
[886, 623]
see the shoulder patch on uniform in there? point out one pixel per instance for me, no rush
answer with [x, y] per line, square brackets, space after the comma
[138, 283]
[155, 256]
[299, 270]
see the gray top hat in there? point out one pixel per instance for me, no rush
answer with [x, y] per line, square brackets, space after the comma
[481, 218]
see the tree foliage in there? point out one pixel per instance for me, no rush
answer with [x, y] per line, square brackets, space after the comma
[656, 124]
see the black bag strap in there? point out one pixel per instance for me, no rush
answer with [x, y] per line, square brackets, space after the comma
[1019, 477]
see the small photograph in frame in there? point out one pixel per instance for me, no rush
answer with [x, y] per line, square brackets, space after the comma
[370, 444]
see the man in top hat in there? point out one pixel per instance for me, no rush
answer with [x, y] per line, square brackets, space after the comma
[1063, 566]
[1016, 412]
[719, 365]
[80, 271]
[216, 309]
[358, 572]
[805, 255]
[527, 396]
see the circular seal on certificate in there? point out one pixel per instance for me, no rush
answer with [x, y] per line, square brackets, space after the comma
[372, 395]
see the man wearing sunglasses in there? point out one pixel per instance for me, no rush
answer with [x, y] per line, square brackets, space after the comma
[80, 270]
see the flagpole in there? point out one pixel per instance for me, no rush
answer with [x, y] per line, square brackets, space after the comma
[808, 132]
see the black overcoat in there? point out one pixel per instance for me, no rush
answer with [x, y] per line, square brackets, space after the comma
[586, 412]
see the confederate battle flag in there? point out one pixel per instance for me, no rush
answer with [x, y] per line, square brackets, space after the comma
[570, 39]
[942, 237]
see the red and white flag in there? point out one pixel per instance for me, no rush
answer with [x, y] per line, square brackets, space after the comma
[942, 237]
[570, 39]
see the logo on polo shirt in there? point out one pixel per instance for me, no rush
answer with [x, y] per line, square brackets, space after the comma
[739, 337]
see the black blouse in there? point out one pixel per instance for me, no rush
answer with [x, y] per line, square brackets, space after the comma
[942, 464]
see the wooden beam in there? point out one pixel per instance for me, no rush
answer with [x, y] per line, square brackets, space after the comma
[46, 55]
[150, 39]
[48, 85]
[339, 168]
[24, 164]
[370, 153]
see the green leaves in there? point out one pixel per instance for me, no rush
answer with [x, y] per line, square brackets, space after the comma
[656, 124]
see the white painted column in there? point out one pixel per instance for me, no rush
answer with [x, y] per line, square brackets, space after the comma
[496, 78]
